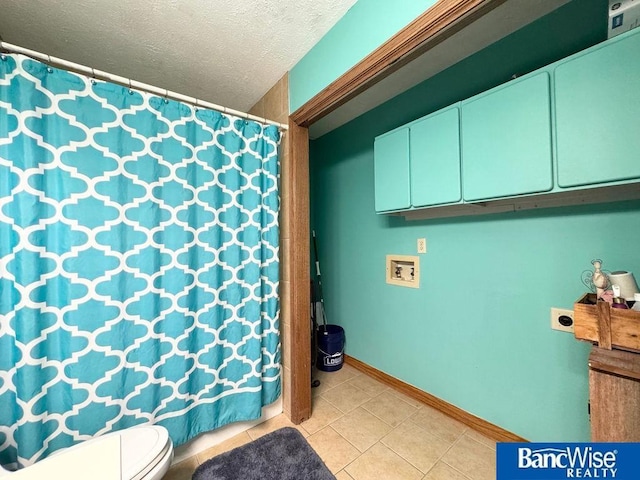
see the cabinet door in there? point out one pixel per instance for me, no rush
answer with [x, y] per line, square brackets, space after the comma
[435, 159]
[506, 140]
[597, 100]
[391, 170]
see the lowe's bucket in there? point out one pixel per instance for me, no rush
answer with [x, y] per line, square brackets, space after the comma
[330, 348]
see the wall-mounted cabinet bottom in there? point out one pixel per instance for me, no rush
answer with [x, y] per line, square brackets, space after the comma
[617, 193]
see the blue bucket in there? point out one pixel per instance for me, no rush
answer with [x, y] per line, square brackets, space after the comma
[330, 348]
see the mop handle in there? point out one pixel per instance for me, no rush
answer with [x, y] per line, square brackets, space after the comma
[315, 251]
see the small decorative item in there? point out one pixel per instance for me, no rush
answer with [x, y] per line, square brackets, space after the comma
[598, 280]
[625, 282]
[619, 303]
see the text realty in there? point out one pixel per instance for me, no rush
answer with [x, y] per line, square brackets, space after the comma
[578, 462]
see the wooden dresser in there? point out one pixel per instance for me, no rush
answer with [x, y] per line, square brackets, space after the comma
[614, 395]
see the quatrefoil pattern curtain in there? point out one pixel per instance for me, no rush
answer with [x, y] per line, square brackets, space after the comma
[138, 263]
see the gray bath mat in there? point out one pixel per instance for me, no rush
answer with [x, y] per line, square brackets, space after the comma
[280, 455]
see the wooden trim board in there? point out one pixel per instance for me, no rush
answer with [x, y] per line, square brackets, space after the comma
[300, 275]
[487, 429]
[442, 20]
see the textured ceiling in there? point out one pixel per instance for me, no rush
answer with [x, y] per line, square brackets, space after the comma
[228, 52]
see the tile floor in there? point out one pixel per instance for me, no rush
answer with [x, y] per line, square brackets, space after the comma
[365, 430]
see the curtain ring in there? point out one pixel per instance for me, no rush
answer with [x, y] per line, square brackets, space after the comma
[130, 87]
[166, 94]
[93, 76]
[49, 69]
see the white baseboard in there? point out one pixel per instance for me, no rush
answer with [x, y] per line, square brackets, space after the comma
[209, 439]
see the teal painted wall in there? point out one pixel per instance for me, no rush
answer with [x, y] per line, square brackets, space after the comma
[477, 333]
[367, 25]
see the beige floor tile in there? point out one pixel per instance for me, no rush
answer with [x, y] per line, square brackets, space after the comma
[407, 398]
[346, 397]
[320, 389]
[389, 408]
[346, 373]
[369, 385]
[381, 463]
[230, 444]
[323, 413]
[352, 371]
[478, 437]
[183, 470]
[475, 460]
[361, 428]
[438, 423]
[334, 450]
[417, 446]
[442, 471]
[327, 379]
[343, 475]
[273, 424]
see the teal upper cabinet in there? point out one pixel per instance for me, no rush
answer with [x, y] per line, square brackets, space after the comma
[569, 126]
[597, 98]
[435, 159]
[506, 140]
[391, 170]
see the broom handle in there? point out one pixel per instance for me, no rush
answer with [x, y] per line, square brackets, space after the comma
[315, 251]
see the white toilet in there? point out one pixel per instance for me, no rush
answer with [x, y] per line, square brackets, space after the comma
[146, 452]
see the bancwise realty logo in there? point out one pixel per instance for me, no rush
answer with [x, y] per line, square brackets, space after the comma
[551, 461]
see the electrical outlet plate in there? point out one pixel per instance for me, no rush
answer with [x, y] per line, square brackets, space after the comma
[559, 319]
[422, 245]
[403, 270]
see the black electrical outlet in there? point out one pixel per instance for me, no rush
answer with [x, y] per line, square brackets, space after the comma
[565, 320]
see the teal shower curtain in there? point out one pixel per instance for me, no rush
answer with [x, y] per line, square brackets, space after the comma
[138, 263]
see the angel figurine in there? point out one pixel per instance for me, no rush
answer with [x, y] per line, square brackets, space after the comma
[597, 280]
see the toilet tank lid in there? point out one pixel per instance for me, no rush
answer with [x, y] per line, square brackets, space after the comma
[142, 448]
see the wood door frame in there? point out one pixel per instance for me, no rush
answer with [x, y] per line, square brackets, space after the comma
[438, 23]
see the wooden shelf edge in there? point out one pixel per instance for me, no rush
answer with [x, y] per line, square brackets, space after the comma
[478, 424]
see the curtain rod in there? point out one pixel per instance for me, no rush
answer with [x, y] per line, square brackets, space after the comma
[127, 82]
